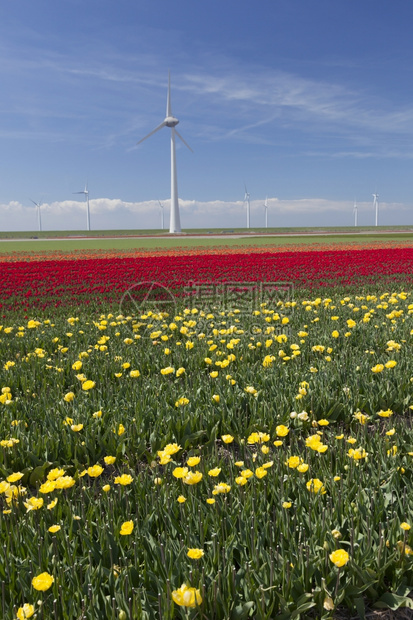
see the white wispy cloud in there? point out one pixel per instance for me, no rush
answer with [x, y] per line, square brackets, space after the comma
[229, 100]
[300, 99]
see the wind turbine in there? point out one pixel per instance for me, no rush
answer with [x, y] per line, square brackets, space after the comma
[266, 211]
[247, 200]
[161, 207]
[376, 206]
[171, 122]
[355, 212]
[39, 216]
[86, 193]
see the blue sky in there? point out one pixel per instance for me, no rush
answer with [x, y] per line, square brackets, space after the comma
[308, 103]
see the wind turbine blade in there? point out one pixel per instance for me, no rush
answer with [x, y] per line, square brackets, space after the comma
[152, 132]
[82, 192]
[181, 138]
[35, 203]
[168, 99]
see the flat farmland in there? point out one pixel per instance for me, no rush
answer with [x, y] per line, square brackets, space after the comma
[125, 243]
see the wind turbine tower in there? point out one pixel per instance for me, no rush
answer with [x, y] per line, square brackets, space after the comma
[266, 211]
[86, 193]
[376, 206]
[247, 200]
[161, 208]
[39, 215]
[171, 122]
[355, 213]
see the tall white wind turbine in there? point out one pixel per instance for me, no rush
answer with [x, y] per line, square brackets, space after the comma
[266, 211]
[376, 206]
[161, 208]
[39, 215]
[86, 193]
[247, 200]
[171, 122]
[355, 213]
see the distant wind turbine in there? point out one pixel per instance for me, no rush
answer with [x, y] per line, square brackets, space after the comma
[171, 122]
[161, 207]
[266, 211]
[355, 212]
[247, 200]
[376, 206]
[39, 215]
[86, 193]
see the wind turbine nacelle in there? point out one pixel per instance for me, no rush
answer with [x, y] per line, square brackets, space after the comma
[171, 121]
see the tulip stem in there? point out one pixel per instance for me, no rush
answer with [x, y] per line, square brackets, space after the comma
[337, 583]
